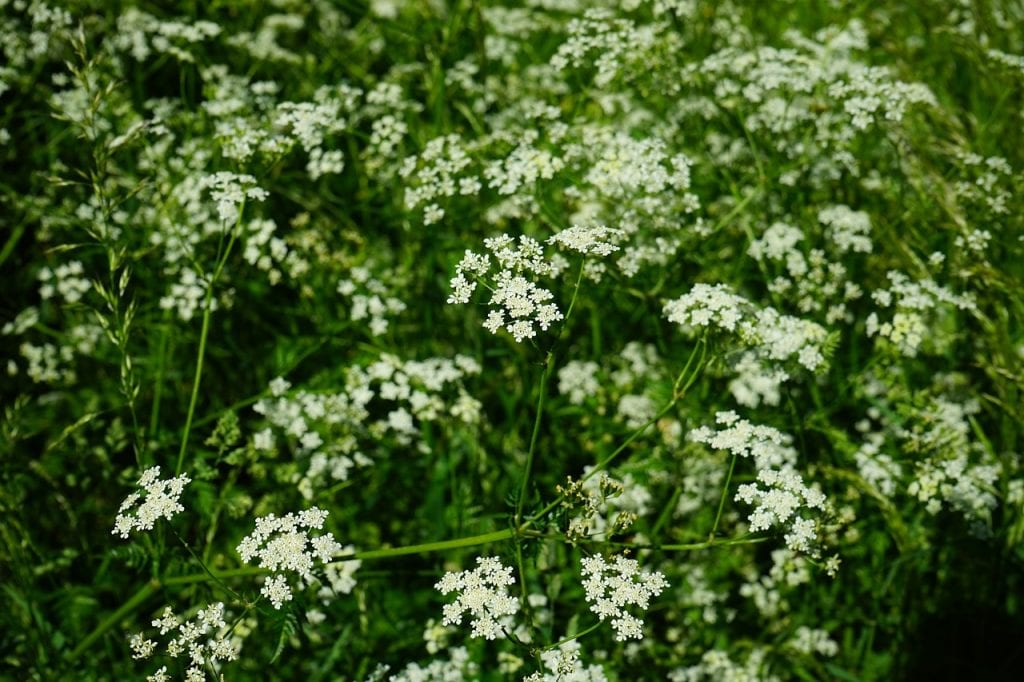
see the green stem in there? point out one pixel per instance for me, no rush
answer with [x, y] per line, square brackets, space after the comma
[707, 545]
[677, 393]
[671, 547]
[12, 241]
[721, 502]
[572, 637]
[158, 384]
[113, 619]
[740, 205]
[206, 569]
[471, 541]
[192, 578]
[666, 512]
[201, 353]
[549, 366]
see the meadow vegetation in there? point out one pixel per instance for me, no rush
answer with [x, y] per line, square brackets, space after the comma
[539, 340]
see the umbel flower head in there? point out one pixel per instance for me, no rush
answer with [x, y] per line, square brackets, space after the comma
[159, 498]
[205, 639]
[610, 587]
[285, 544]
[483, 592]
[518, 304]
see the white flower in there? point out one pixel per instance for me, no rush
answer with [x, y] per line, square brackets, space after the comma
[578, 381]
[285, 544]
[275, 588]
[230, 190]
[160, 501]
[159, 676]
[779, 492]
[168, 621]
[520, 305]
[483, 593]
[768, 446]
[707, 305]
[203, 638]
[141, 647]
[609, 588]
[279, 386]
[598, 240]
[849, 230]
[777, 496]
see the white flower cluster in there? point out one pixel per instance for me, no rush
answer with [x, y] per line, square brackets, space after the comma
[754, 383]
[47, 363]
[340, 577]
[438, 172]
[770, 334]
[911, 302]
[779, 492]
[334, 429]
[523, 167]
[67, 279]
[483, 593]
[370, 300]
[268, 252]
[967, 487]
[263, 44]
[230, 190]
[951, 469]
[140, 34]
[988, 183]
[601, 39]
[814, 98]
[767, 446]
[777, 496]
[456, 667]
[849, 230]
[250, 120]
[563, 665]
[636, 410]
[610, 587]
[205, 638]
[811, 280]
[779, 242]
[518, 304]
[596, 239]
[769, 591]
[285, 544]
[577, 380]
[187, 295]
[30, 31]
[708, 306]
[877, 468]
[814, 641]
[159, 501]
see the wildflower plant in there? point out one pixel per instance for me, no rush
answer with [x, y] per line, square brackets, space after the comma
[612, 586]
[483, 593]
[158, 499]
[284, 544]
[546, 340]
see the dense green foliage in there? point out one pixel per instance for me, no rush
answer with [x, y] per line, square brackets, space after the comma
[780, 332]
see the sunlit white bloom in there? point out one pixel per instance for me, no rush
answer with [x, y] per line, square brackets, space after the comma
[159, 499]
[282, 544]
[611, 587]
[482, 593]
[597, 240]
